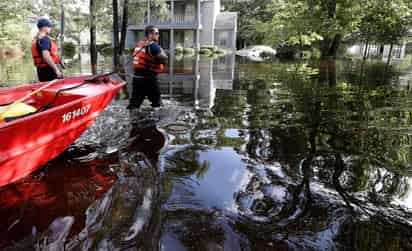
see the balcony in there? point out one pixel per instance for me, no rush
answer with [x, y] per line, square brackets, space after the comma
[169, 14]
[176, 20]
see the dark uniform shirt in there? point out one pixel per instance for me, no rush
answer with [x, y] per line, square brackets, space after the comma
[153, 49]
[44, 44]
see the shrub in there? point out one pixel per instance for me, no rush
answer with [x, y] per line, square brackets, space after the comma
[205, 51]
[178, 57]
[315, 53]
[107, 51]
[188, 51]
[286, 52]
[306, 54]
[209, 47]
[267, 55]
[69, 49]
[220, 51]
[179, 49]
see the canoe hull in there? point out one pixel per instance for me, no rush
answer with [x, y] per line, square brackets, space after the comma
[35, 140]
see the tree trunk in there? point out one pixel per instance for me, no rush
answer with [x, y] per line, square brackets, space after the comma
[365, 53]
[333, 51]
[80, 51]
[79, 42]
[115, 35]
[61, 31]
[329, 48]
[123, 31]
[381, 50]
[93, 48]
[389, 55]
[327, 72]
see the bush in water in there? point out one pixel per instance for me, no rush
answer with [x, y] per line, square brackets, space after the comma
[69, 49]
[188, 51]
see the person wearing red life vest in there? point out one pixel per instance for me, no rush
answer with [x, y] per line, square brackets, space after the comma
[148, 61]
[45, 53]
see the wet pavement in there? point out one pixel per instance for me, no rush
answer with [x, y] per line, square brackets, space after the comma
[243, 156]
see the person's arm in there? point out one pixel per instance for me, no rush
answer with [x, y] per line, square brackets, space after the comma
[44, 47]
[162, 57]
[158, 53]
[50, 62]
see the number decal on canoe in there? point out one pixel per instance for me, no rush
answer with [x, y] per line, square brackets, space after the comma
[76, 113]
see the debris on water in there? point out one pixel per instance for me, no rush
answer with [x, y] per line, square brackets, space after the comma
[111, 149]
[178, 128]
[13, 224]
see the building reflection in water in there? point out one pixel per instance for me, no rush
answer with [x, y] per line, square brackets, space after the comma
[196, 79]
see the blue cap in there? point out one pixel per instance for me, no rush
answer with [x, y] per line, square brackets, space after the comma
[43, 22]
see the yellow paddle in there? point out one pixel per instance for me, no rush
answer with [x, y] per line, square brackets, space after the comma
[5, 109]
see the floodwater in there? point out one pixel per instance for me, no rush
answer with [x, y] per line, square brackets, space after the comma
[243, 156]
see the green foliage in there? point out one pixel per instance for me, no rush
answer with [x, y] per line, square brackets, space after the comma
[105, 49]
[212, 51]
[212, 48]
[69, 49]
[286, 51]
[252, 16]
[179, 49]
[220, 51]
[303, 23]
[137, 11]
[385, 22]
[14, 28]
[160, 11]
[315, 53]
[188, 51]
[309, 23]
[290, 24]
[205, 51]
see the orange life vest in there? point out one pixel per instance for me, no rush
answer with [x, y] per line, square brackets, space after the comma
[141, 60]
[38, 59]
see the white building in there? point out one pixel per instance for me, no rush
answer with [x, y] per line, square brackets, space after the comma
[188, 23]
[398, 51]
[378, 50]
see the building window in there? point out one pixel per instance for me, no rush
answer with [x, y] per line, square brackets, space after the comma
[184, 12]
[222, 39]
[164, 39]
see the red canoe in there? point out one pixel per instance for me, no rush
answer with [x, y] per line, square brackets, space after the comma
[27, 143]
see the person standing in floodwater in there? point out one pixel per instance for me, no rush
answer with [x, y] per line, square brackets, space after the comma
[148, 61]
[45, 52]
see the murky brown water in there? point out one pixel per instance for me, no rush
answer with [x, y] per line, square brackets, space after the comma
[244, 156]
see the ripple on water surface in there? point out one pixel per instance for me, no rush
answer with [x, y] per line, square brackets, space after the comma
[288, 159]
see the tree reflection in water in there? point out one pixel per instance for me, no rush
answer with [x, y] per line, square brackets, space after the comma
[336, 157]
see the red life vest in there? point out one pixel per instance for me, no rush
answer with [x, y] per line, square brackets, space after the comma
[141, 60]
[38, 59]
